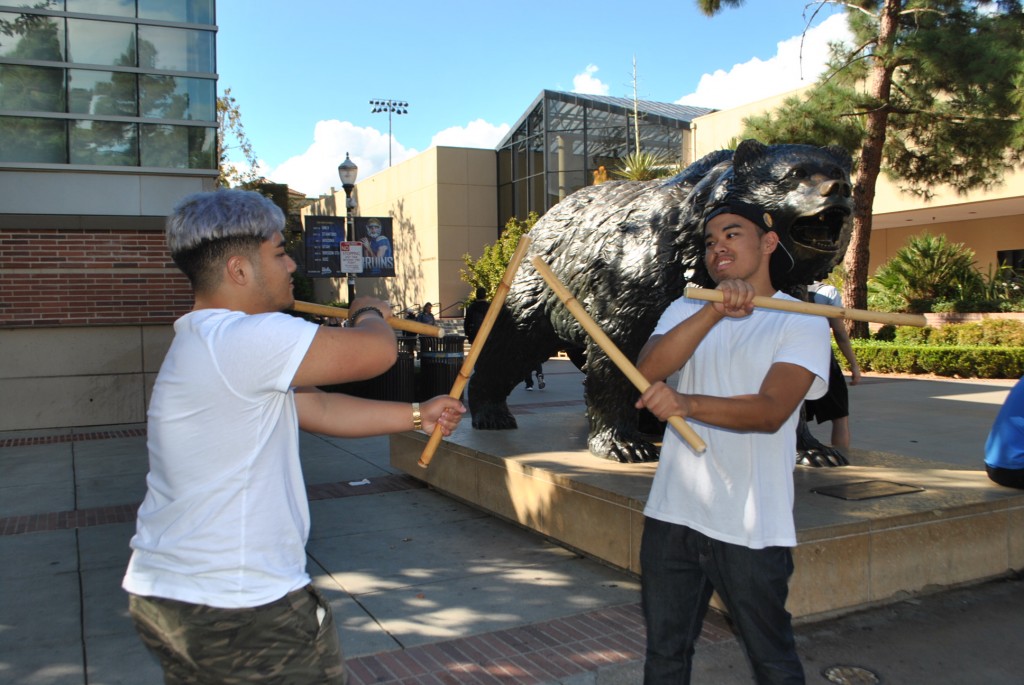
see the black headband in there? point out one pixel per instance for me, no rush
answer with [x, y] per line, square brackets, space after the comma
[761, 218]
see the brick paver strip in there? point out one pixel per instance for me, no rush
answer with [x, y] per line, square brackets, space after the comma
[72, 437]
[525, 661]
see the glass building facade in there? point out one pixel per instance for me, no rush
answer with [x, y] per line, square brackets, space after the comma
[108, 83]
[555, 148]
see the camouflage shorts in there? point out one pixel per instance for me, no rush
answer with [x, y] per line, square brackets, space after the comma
[284, 642]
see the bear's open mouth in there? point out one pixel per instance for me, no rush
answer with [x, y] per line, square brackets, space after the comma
[821, 231]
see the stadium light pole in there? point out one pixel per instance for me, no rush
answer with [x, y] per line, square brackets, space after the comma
[391, 107]
[347, 172]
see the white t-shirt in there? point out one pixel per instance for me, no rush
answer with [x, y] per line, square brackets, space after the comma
[740, 490]
[823, 293]
[225, 518]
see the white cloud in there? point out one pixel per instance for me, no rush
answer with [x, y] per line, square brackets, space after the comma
[792, 67]
[315, 171]
[477, 133]
[587, 84]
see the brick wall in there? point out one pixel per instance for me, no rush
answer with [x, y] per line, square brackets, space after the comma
[52, 277]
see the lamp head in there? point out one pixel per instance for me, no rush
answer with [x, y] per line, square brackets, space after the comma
[347, 172]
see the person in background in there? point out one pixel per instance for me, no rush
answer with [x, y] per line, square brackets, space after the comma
[539, 370]
[835, 405]
[426, 314]
[722, 520]
[217, 581]
[1004, 447]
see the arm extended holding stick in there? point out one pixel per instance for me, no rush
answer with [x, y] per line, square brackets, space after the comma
[481, 337]
[396, 323]
[894, 318]
[610, 349]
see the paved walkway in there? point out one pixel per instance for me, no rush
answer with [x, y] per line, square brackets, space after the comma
[428, 590]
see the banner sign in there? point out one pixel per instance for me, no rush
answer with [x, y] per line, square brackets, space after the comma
[328, 255]
[375, 234]
[324, 235]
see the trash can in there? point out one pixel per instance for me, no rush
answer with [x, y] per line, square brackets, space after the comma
[440, 362]
[397, 384]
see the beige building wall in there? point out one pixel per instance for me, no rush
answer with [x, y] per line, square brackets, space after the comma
[443, 203]
[985, 221]
[79, 376]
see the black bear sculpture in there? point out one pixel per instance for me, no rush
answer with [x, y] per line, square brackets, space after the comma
[627, 249]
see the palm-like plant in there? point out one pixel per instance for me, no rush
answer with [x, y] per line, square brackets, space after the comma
[927, 269]
[645, 166]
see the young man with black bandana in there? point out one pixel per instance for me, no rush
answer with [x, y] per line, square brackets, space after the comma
[723, 520]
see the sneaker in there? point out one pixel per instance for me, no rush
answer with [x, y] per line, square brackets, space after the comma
[529, 388]
[540, 381]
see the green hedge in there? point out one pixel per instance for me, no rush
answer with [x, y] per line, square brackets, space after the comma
[964, 361]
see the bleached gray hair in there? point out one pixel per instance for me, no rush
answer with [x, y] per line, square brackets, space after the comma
[225, 213]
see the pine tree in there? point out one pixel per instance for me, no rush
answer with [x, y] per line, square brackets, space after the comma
[930, 93]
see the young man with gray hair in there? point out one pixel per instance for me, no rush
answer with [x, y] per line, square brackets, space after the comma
[217, 578]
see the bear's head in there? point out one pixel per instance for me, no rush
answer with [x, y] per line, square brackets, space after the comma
[806, 192]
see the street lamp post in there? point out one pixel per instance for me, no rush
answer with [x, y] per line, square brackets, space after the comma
[348, 171]
[391, 107]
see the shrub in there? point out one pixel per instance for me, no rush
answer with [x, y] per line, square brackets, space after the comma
[912, 335]
[964, 361]
[486, 271]
[928, 269]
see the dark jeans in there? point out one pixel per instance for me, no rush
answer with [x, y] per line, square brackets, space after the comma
[286, 642]
[1011, 478]
[680, 569]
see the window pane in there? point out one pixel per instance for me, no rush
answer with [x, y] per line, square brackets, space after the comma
[100, 42]
[535, 122]
[175, 49]
[39, 89]
[178, 147]
[202, 148]
[191, 11]
[104, 142]
[101, 92]
[31, 36]
[504, 165]
[538, 201]
[522, 197]
[116, 8]
[56, 5]
[164, 146]
[176, 97]
[566, 152]
[505, 204]
[26, 139]
[563, 116]
[561, 185]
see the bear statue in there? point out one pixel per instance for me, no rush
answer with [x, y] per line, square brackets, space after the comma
[626, 250]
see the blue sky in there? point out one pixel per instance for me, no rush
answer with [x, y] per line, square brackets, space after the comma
[303, 76]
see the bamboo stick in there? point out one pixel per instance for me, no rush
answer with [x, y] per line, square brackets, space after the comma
[478, 343]
[395, 322]
[610, 349]
[894, 318]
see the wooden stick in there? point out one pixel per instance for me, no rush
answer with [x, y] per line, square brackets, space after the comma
[478, 343]
[609, 348]
[828, 310]
[395, 322]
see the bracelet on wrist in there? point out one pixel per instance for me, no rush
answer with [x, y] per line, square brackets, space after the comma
[417, 419]
[353, 318]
